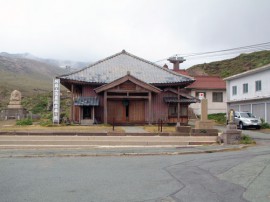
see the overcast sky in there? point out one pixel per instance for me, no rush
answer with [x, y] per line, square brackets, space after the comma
[88, 30]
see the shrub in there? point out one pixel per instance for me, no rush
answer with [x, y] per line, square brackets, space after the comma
[219, 117]
[46, 122]
[264, 124]
[24, 122]
[245, 139]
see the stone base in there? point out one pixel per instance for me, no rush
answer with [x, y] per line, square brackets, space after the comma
[183, 129]
[204, 132]
[13, 114]
[15, 107]
[231, 126]
[231, 135]
[87, 122]
[208, 124]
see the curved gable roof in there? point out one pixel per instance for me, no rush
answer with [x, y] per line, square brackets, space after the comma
[117, 66]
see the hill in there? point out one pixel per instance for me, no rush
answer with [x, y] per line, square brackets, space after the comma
[233, 66]
[75, 65]
[26, 75]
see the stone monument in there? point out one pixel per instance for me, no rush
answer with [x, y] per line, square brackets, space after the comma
[204, 127]
[15, 100]
[204, 123]
[14, 109]
[231, 135]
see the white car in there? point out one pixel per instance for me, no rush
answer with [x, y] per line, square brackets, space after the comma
[246, 119]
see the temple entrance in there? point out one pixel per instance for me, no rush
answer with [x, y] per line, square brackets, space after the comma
[126, 111]
[87, 112]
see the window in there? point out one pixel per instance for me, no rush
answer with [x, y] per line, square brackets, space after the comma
[173, 110]
[258, 85]
[217, 96]
[245, 88]
[234, 90]
[197, 94]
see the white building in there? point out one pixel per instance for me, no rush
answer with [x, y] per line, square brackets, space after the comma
[213, 89]
[250, 91]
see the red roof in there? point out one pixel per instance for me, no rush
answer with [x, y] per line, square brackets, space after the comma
[204, 82]
[182, 71]
[207, 82]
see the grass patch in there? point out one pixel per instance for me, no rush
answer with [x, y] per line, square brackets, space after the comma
[245, 139]
[49, 128]
[154, 128]
[219, 118]
[24, 122]
[264, 124]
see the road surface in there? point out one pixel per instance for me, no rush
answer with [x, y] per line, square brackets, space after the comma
[224, 176]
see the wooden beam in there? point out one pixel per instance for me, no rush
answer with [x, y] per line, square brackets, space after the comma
[149, 108]
[123, 79]
[125, 91]
[105, 108]
[124, 96]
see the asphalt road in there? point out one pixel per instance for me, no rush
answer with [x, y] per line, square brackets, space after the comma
[224, 176]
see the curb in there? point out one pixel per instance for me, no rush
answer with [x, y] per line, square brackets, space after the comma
[120, 154]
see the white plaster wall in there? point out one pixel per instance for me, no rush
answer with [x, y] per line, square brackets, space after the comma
[264, 76]
[213, 107]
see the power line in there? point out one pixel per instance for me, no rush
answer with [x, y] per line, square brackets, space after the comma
[249, 48]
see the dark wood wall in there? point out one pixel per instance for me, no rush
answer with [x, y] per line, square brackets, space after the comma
[159, 107]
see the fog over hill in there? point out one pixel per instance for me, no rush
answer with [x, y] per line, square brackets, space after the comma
[74, 65]
[26, 75]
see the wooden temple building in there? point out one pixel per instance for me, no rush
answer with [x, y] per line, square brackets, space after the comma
[126, 89]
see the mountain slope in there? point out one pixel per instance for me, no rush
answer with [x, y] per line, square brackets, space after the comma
[26, 75]
[75, 65]
[232, 66]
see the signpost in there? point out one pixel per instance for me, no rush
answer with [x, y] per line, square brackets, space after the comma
[56, 101]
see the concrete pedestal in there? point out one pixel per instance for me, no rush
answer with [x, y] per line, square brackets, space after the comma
[13, 113]
[206, 124]
[231, 135]
[183, 129]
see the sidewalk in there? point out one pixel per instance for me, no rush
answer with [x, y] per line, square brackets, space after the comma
[115, 151]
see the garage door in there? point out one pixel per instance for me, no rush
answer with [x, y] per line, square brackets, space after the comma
[259, 110]
[245, 108]
[234, 107]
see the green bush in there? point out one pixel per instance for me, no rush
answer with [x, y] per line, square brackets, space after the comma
[219, 117]
[245, 139]
[264, 124]
[24, 122]
[46, 122]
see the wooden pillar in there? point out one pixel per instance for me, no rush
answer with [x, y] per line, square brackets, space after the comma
[178, 107]
[80, 108]
[105, 108]
[149, 108]
[72, 104]
[93, 114]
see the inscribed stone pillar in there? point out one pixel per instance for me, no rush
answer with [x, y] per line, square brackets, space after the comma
[204, 110]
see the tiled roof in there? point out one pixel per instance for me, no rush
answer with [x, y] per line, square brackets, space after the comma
[207, 82]
[182, 71]
[182, 100]
[86, 101]
[117, 66]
